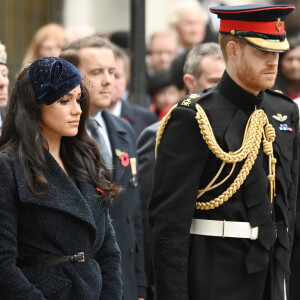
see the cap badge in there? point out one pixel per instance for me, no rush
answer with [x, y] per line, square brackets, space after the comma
[280, 117]
[278, 24]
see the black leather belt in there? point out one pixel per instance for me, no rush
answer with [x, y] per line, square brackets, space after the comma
[49, 260]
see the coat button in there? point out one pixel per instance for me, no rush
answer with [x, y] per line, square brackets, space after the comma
[131, 253]
[129, 218]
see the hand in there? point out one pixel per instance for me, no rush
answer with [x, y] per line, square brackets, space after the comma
[141, 298]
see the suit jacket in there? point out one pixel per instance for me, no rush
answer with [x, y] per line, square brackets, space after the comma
[67, 220]
[146, 154]
[194, 267]
[138, 117]
[125, 210]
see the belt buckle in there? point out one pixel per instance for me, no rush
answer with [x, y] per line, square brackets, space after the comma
[83, 257]
[224, 222]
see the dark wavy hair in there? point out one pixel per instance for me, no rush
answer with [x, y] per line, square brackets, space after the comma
[22, 136]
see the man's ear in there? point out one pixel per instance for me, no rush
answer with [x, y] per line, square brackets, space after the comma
[190, 82]
[232, 50]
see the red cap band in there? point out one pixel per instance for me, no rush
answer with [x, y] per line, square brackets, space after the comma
[274, 27]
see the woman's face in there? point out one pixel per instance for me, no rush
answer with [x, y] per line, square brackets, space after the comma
[290, 64]
[62, 117]
[50, 47]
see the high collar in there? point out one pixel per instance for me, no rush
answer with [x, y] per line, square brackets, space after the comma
[238, 95]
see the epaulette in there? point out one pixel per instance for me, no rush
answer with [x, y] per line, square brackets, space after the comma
[279, 93]
[191, 100]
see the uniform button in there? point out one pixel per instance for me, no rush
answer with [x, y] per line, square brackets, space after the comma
[131, 252]
[129, 218]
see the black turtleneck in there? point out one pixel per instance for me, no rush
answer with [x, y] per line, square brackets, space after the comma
[231, 90]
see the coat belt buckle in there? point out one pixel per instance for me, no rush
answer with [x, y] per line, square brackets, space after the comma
[82, 255]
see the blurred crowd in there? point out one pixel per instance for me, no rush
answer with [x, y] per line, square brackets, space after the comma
[184, 59]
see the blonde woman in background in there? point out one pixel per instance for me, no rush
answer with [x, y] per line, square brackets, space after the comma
[47, 41]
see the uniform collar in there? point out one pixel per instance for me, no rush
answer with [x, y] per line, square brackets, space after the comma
[238, 95]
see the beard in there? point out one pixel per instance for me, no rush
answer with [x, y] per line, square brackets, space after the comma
[253, 79]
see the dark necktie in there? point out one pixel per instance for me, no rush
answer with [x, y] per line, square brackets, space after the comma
[97, 136]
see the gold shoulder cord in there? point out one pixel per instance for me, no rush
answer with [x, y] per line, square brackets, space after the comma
[257, 128]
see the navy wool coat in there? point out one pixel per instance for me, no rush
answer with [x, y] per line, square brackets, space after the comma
[67, 220]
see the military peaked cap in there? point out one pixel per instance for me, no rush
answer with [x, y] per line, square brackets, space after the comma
[260, 26]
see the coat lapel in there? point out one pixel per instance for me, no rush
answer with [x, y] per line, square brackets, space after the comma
[119, 140]
[63, 195]
[127, 113]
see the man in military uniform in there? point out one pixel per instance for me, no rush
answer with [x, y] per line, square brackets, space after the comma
[223, 201]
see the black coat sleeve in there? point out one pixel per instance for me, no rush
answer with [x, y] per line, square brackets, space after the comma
[13, 284]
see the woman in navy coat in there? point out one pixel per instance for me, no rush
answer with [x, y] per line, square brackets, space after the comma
[56, 239]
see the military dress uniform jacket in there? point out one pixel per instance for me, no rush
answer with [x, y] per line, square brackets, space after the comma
[125, 211]
[214, 268]
[67, 220]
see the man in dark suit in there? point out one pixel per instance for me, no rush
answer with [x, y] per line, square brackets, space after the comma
[4, 82]
[203, 68]
[95, 59]
[137, 116]
[223, 202]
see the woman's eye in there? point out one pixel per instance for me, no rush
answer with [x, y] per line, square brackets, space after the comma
[63, 101]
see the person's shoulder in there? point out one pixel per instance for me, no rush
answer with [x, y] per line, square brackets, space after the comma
[192, 99]
[151, 128]
[278, 94]
[148, 133]
[136, 107]
[122, 126]
[278, 100]
[139, 111]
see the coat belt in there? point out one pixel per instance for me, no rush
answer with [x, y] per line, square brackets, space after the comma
[49, 260]
[224, 229]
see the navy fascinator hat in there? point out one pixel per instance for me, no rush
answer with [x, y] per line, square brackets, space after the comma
[51, 78]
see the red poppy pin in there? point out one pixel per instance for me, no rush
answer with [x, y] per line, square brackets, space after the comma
[124, 157]
[99, 190]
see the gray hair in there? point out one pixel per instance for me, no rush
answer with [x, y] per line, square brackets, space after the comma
[193, 63]
[182, 5]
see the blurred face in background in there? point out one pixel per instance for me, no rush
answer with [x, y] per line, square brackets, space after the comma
[165, 97]
[191, 27]
[50, 47]
[290, 64]
[4, 82]
[120, 80]
[163, 50]
[212, 71]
